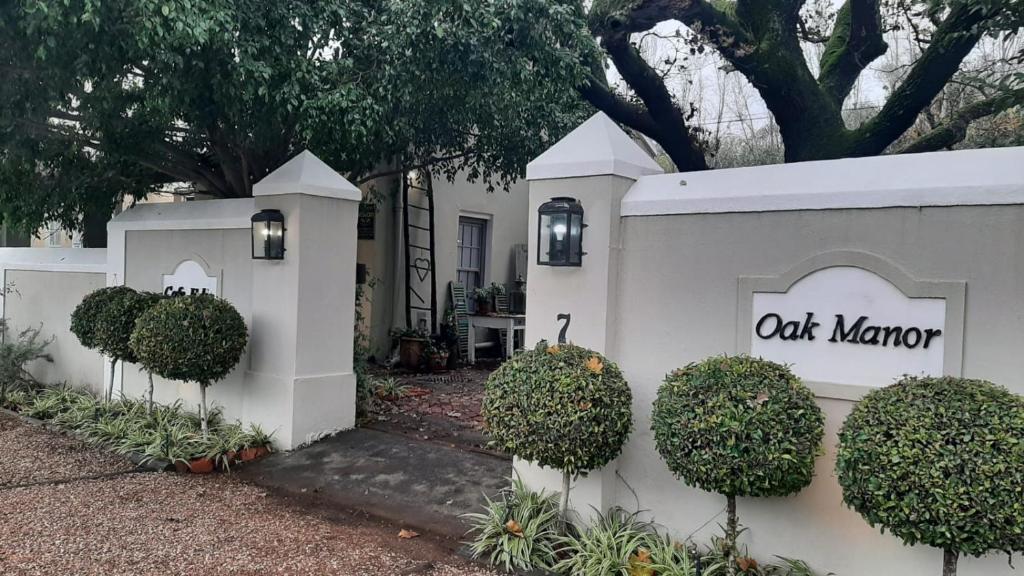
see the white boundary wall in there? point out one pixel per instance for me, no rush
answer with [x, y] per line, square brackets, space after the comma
[296, 378]
[680, 267]
[41, 289]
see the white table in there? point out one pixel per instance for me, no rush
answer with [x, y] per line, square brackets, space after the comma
[511, 322]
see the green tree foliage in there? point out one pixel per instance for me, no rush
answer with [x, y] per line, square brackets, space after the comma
[564, 407]
[196, 338]
[105, 100]
[738, 426]
[938, 461]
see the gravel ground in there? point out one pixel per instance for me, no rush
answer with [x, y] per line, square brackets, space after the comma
[151, 523]
[30, 454]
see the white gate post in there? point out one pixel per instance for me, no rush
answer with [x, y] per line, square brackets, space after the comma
[300, 376]
[596, 164]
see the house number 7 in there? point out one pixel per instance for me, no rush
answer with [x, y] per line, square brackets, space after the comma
[565, 327]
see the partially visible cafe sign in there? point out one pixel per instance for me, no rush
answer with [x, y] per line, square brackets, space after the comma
[848, 325]
[189, 278]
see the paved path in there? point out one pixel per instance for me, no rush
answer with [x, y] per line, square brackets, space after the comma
[424, 485]
[58, 518]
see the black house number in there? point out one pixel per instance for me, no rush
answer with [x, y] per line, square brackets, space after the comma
[567, 318]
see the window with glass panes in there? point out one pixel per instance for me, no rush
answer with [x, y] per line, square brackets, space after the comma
[472, 244]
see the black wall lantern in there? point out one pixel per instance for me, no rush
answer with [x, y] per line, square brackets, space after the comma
[268, 235]
[560, 233]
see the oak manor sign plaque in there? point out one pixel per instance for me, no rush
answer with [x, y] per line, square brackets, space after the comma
[189, 278]
[848, 325]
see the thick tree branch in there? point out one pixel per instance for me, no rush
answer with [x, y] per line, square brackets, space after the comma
[856, 42]
[604, 99]
[953, 130]
[648, 85]
[952, 41]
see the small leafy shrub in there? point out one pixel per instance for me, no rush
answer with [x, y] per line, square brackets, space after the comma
[389, 389]
[115, 324]
[517, 532]
[938, 461]
[738, 426]
[16, 352]
[620, 543]
[715, 561]
[196, 338]
[85, 316]
[564, 407]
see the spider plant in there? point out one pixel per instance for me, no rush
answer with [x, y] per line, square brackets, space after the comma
[389, 389]
[618, 544]
[518, 531]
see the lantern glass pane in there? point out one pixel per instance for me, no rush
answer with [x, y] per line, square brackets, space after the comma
[259, 240]
[544, 235]
[275, 245]
[558, 245]
[576, 242]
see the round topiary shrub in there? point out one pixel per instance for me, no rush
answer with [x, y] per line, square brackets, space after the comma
[115, 324]
[83, 319]
[563, 406]
[738, 426]
[196, 338]
[938, 461]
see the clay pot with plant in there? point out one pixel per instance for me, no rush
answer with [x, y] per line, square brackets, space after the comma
[412, 348]
[484, 298]
[256, 444]
[437, 354]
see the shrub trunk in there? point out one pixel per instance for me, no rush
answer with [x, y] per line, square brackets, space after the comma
[731, 529]
[949, 561]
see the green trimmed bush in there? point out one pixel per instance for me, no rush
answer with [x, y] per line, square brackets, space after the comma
[114, 324]
[938, 461]
[738, 426]
[564, 407]
[86, 314]
[197, 338]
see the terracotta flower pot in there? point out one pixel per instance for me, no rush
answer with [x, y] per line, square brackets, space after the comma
[410, 352]
[250, 454]
[181, 467]
[439, 362]
[201, 466]
[483, 308]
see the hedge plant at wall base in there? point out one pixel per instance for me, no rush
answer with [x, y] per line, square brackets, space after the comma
[196, 338]
[85, 318]
[113, 329]
[938, 461]
[562, 406]
[738, 426]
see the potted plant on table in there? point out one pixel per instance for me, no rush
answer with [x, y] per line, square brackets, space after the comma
[484, 298]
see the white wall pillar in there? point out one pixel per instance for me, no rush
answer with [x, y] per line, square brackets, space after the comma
[300, 376]
[596, 164]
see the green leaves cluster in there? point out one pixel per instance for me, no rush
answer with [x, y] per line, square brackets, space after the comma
[738, 426]
[565, 407]
[105, 100]
[116, 321]
[197, 338]
[938, 461]
[85, 317]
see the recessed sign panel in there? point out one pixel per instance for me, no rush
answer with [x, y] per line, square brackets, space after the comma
[189, 278]
[847, 325]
